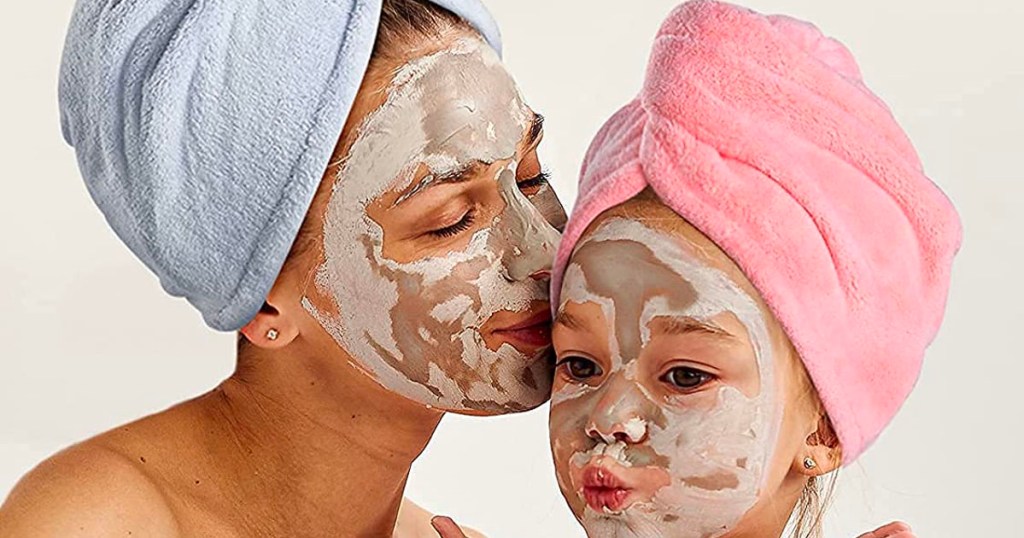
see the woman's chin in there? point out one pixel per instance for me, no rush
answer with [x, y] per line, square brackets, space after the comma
[490, 409]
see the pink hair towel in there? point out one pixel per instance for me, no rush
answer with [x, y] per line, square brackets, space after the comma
[760, 132]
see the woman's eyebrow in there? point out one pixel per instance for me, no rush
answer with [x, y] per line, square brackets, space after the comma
[461, 175]
[465, 173]
[536, 129]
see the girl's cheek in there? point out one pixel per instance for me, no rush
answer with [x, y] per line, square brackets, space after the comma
[568, 425]
[703, 402]
[568, 422]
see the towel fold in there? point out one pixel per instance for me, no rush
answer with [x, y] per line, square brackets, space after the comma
[761, 133]
[203, 129]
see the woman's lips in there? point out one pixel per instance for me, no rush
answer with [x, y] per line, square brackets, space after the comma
[529, 334]
[603, 489]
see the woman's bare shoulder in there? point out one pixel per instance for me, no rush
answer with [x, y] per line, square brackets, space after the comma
[88, 490]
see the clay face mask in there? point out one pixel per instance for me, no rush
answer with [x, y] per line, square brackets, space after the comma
[636, 454]
[417, 326]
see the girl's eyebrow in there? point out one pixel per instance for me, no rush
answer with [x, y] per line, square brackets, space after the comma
[687, 325]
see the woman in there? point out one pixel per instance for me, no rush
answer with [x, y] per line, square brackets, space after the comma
[746, 287]
[416, 285]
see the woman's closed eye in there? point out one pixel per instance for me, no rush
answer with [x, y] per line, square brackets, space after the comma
[455, 229]
[528, 187]
[687, 379]
[531, 185]
[578, 369]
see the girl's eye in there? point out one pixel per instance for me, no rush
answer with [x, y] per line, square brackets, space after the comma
[530, 186]
[580, 368]
[457, 228]
[687, 379]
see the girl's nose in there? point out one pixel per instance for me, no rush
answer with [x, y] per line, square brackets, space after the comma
[632, 431]
[619, 414]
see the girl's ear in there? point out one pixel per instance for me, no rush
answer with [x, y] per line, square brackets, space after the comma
[821, 453]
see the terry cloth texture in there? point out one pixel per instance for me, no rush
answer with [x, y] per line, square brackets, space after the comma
[203, 128]
[761, 133]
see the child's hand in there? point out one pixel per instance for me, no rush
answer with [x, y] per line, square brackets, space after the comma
[447, 528]
[896, 529]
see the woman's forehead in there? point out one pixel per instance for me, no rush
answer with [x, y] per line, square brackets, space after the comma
[454, 66]
[444, 111]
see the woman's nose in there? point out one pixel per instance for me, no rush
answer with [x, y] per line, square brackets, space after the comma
[530, 241]
[531, 251]
[543, 274]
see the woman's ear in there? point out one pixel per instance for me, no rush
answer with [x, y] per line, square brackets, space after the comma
[278, 322]
[821, 453]
[270, 329]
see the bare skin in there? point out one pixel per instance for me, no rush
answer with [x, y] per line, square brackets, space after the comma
[299, 441]
[415, 522]
[896, 529]
[268, 453]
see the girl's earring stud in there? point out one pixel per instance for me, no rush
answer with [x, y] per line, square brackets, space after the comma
[809, 463]
[272, 334]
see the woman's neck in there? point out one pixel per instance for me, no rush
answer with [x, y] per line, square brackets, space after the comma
[317, 443]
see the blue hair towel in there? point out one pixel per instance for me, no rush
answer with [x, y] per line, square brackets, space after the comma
[203, 128]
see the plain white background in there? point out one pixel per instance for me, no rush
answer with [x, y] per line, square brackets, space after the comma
[88, 340]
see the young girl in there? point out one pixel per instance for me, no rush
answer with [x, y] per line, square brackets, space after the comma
[746, 286]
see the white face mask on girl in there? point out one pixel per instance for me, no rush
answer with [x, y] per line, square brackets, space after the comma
[664, 411]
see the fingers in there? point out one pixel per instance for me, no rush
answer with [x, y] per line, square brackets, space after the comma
[446, 528]
[896, 529]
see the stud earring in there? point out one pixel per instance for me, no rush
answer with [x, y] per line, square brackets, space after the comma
[272, 335]
[809, 463]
